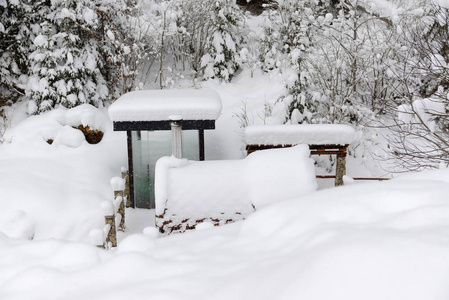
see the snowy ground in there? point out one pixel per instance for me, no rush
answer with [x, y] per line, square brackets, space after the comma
[378, 240]
[373, 241]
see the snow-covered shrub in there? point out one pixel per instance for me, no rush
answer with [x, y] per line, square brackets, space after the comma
[122, 33]
[270, 44]
[420, 131]
[193, 31]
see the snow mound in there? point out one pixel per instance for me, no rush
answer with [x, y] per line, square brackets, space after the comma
[68, 136]
[136, 243]
[55, 190]
[17, 224]
[230, 190]
[368, 241]
[87, 115]
[56, 126]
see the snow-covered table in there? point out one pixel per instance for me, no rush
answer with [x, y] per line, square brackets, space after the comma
[330, 139]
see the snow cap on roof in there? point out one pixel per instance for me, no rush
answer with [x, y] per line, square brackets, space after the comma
[158, 105]
[294, 134]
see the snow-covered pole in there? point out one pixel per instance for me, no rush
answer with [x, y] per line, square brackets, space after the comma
[176, 130]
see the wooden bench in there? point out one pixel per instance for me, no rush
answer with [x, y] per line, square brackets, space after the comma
[339, 150]
[323, 139]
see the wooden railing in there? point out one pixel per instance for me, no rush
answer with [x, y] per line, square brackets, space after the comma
[354, 178]
[114, 213]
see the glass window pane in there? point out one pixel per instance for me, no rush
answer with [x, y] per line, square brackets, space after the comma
[190, 144]
[141, 161]
[148, 147]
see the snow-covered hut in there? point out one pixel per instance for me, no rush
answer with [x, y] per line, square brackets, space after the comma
[148, 117]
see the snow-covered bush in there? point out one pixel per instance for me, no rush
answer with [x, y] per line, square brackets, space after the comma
[125, 47]
[419, 134]
[336, 69]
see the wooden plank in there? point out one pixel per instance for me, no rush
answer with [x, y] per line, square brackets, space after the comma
[356, 178]
[365, 178]
[330, 152]
[327, 146]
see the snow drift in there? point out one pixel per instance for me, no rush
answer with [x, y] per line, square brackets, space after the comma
[190, 192]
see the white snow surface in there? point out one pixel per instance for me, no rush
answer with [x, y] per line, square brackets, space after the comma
[294, 134]
[192, 189]
[442, 3]
[158, 105]
[367, 241]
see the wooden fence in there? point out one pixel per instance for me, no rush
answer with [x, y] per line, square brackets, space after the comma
[114, 213]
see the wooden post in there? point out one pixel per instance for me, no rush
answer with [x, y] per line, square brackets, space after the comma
[341, 167]
[111, 237]
[125, 176]
[121, 209]
[201, 144]
[130, 168]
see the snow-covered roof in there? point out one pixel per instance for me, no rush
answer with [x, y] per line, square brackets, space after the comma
[320, 134]
[159, 105]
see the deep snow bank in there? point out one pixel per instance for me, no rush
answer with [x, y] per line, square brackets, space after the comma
[369, 241]
[56, 190]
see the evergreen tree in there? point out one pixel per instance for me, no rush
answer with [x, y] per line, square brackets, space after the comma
[297, 35]
[15, 33]
[66, 67]
[222, 59]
